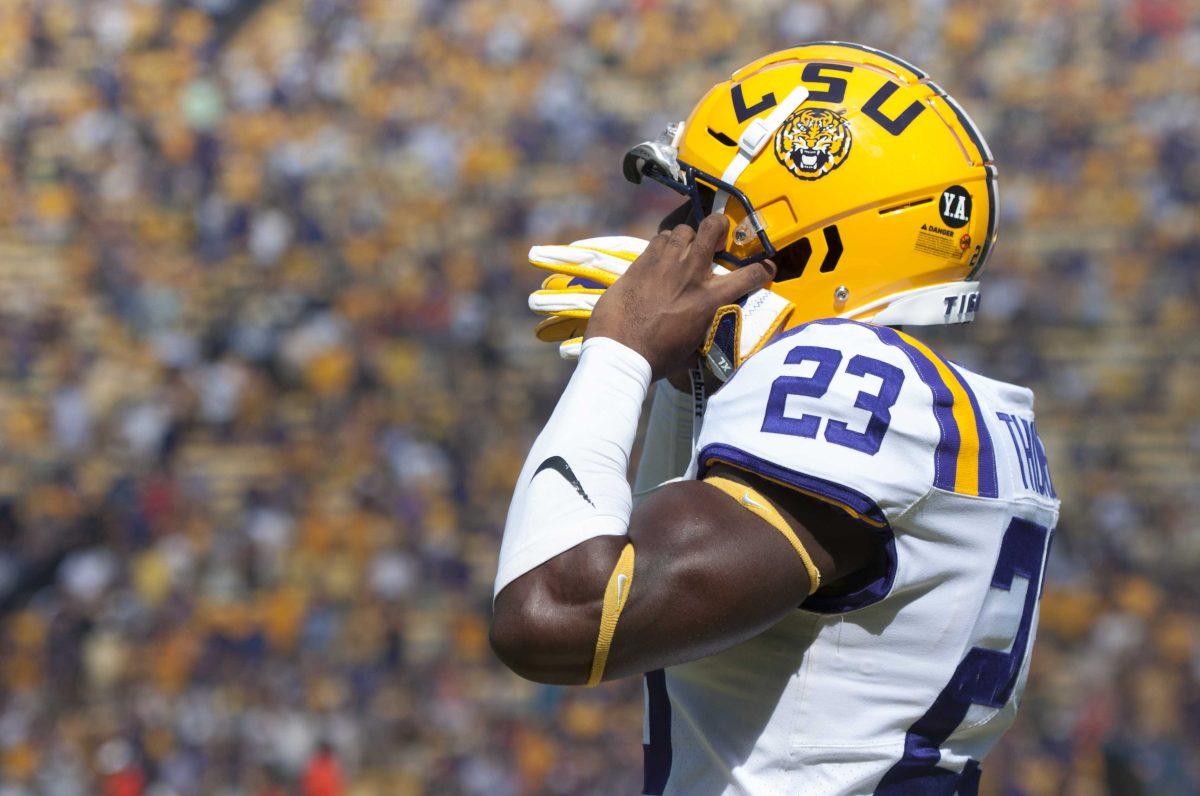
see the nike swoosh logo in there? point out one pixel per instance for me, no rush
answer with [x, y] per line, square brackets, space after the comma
[749, 501]
[621, 579]
[559, 465]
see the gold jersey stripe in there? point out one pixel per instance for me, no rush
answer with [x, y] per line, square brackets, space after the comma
[966, 471]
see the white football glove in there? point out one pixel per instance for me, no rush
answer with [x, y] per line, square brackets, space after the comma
[581, 271]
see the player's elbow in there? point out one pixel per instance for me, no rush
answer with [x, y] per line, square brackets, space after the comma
[509, 636]
[540, 642]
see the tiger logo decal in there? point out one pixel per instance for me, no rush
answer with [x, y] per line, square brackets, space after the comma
[813, 142]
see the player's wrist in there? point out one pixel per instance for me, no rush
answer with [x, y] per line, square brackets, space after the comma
[660, 360]
[626, 335]
[628, 366]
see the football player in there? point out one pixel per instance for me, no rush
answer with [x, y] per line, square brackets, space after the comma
[832, 566]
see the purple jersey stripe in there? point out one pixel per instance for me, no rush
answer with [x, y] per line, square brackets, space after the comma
[988, 485]
[945, 458]
[840, 494]
[656, 755]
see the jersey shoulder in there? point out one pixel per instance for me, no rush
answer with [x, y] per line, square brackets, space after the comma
[863, 416]
[1024, 467]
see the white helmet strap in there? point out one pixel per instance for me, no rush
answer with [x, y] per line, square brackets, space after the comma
[950, 302]
[754, 140]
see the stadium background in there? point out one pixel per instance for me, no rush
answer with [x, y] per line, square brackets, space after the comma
[266, 374]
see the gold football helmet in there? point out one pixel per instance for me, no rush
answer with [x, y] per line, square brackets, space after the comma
[867, 184]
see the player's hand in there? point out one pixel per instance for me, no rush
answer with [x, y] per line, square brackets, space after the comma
[664, 304]
[579, 274]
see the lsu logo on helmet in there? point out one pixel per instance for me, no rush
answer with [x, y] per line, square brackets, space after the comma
[813, 142]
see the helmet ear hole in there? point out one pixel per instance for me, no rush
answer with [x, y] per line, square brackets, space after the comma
[791, 260]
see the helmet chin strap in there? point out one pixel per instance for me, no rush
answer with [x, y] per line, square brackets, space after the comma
[699, 402]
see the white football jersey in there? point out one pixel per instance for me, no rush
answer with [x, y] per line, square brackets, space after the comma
[902, 686]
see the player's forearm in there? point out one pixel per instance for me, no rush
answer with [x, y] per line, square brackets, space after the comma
[572, 494]
[544, 623]
[574, 485]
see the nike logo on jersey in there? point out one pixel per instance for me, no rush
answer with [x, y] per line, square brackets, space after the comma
[751, 502]
[559, 465]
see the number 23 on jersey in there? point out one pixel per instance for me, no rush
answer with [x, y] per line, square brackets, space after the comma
[876, 399]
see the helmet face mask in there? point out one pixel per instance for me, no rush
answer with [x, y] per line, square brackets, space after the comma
[748, 234]
[659, 161]
[850, 164]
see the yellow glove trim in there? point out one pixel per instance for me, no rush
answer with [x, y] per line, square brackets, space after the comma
[555, 329]
[751, 500]
[576, 314]
[616, 594]
[583, 271]
[569, 291]
[739, 356]
[721, 312]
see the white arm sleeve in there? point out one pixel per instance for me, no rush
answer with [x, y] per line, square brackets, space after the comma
[574, 485]
[667, 449]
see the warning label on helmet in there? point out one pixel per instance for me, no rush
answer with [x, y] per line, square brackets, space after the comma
[938, 241]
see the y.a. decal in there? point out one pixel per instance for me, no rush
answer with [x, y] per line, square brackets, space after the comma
[955, 206]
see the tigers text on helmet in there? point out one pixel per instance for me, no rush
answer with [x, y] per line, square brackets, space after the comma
[870, 187]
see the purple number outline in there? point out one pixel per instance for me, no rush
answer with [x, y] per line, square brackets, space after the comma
[837, 432]
[814, 386]
[983, 677]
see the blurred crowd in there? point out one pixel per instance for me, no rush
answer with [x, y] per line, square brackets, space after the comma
[266, 375]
